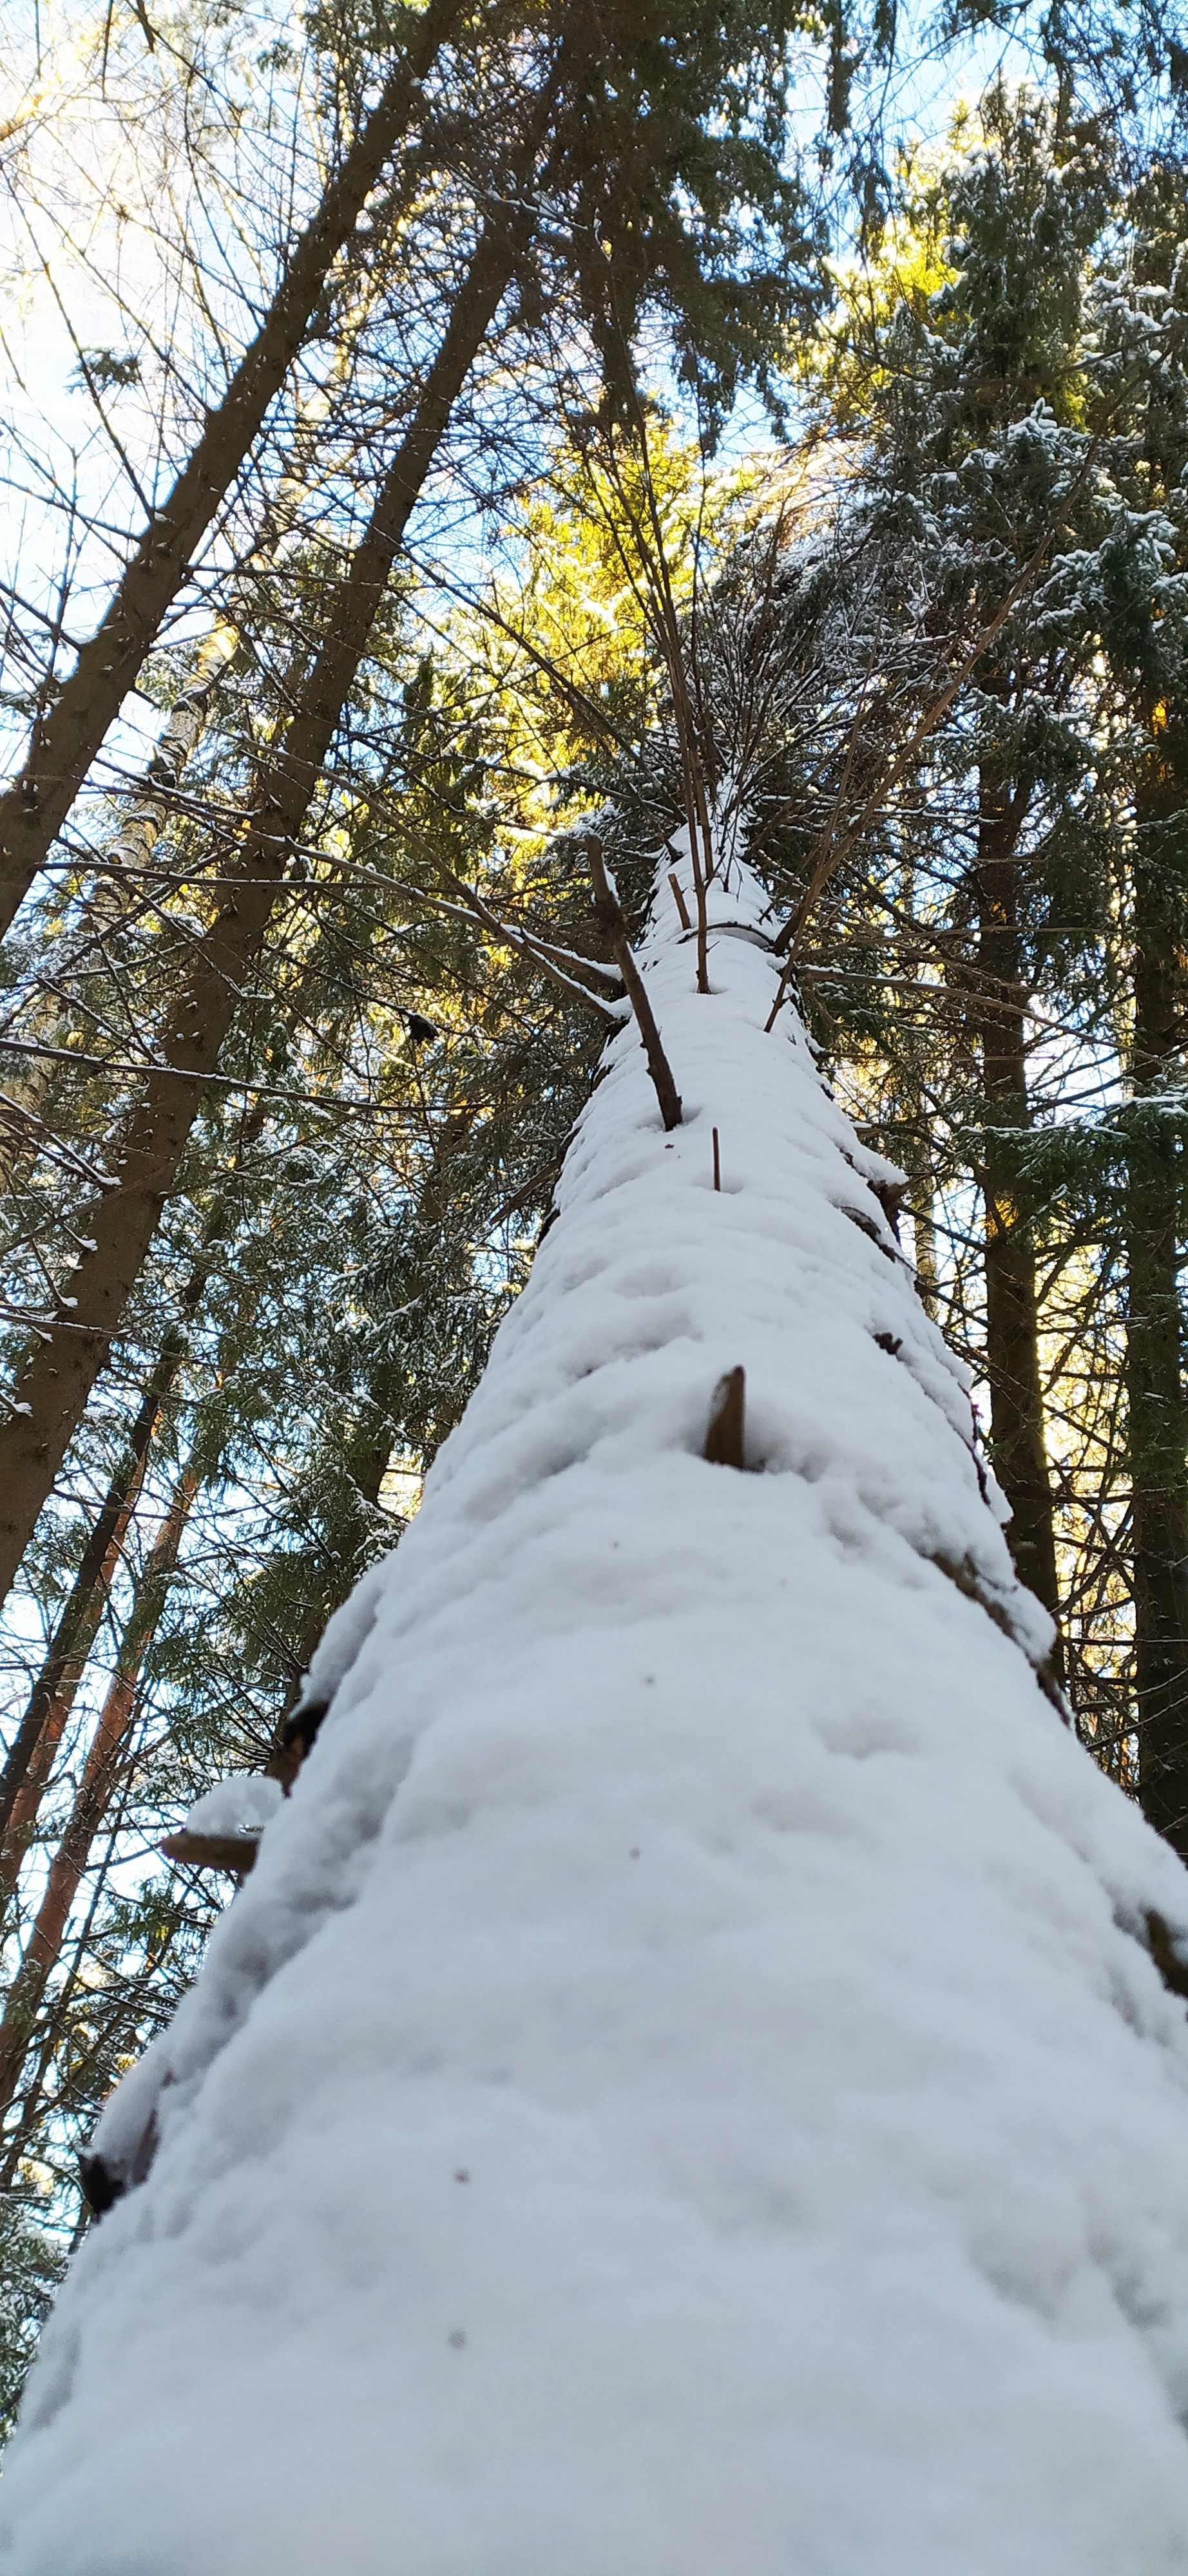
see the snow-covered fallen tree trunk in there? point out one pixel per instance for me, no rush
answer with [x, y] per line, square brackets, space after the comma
[686, 2090]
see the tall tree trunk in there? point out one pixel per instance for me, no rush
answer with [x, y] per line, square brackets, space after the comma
[647, 1688]
[1012, 1319]
[101, 1772]
[129, 851]
[912, 1139]
[1154, 1332]
[30, 1756]
[56, 1686]
[914, 1151]
[18, 2139]
[52, 1695]
[57, 1383]
[68, 735]
[130, 846]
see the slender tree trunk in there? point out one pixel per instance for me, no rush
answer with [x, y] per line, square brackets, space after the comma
[52, 1694]
[30, 1756]
[1154, 1332]
[58, 1381]
[67, 1660]
[1012, 1319]
[101, 1773]
[68, 735]
[131, 846]
[913, 1136]
[105, 1771]
[18, 2139]
[130, 849]
[915, 1154]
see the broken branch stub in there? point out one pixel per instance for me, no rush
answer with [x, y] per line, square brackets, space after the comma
[724, 1438]
[679, 900]
[294, 1737]
[234, 1853]
[1164, 1953]
[610, 918]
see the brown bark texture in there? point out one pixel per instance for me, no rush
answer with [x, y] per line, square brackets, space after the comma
[29, 1762]
[52, 1695]
[1012, 1320]
[101, 1772]
[1154, 1333]
[60, 1376]
[68, 735]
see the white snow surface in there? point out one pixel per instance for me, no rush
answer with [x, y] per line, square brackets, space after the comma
[240, 1805]
[343, 1635]
[684, 2091]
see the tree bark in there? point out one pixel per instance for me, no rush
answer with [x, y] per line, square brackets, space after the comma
[130, 848]
[30, 1758]
[30, 1762]
[52, 1695]
[132, 845]
[67, 737]
[1012, 1319]
[18, 2138]
[100, 1775]
[1158, 1435]
[914, 1152]
[58, 1381]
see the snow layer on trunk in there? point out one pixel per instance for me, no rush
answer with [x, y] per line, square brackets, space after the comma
[685, 2091]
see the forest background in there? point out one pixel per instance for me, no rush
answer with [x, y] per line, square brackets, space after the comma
[435, 437]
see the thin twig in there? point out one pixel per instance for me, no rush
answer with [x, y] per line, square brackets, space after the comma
[607, 907]
[510, 937]
[679, 900]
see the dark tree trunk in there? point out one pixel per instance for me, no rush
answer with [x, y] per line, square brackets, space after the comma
[30, 1758]
[68, 736]
[101, 1775]
[19, 2136]
[1154, 1358]
[50, 1701]
[1012, 1321]
[58, 1381]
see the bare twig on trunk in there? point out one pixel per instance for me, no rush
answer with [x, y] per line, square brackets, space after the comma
[610, 918]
